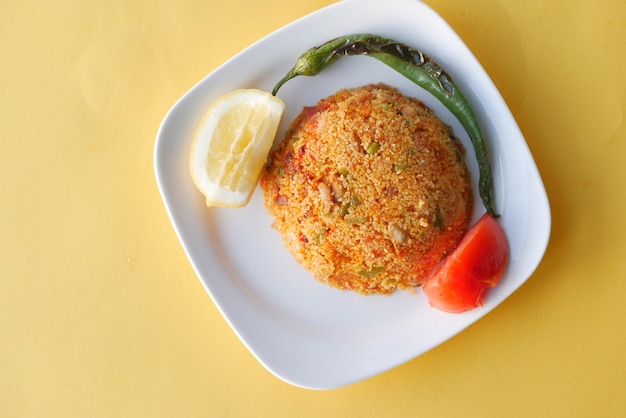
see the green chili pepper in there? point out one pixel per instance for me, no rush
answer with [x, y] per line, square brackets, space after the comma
[373, 272]
[419, 68]
[355, 200]
[399, 167]
[372, 148]
[344, 209]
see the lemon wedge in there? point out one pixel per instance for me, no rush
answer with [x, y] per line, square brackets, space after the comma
[231, 145]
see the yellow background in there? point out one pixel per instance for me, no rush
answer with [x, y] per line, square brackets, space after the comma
[101, 314]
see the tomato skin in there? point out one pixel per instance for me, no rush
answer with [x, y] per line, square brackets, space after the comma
[477, 264]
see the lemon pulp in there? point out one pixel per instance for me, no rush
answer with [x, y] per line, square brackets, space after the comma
[231, 145]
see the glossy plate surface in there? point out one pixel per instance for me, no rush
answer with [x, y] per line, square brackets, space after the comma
[304, 332]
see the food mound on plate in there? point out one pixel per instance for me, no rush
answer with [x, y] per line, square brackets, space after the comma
[369, 190]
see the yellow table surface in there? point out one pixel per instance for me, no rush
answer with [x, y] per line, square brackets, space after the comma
[100, 311]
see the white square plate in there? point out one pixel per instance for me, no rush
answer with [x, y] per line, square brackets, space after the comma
[302, 331]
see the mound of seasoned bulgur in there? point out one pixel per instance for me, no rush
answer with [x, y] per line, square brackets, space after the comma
[369, 190]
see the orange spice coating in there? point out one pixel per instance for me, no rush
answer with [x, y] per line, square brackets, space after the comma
[369, 190]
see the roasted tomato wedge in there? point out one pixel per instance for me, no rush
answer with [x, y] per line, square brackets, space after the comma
[477, 264]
